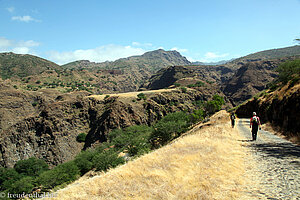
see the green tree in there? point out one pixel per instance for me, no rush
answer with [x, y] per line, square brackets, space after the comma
[214, 105]
[8, 176]
[169, 127]
[63, 173]
[197, 115]
[288, 71]
[134, 139]
[84, 161]
[31, 166]
[141, 96]
[81, 137]
[106, 160]
[25, 185]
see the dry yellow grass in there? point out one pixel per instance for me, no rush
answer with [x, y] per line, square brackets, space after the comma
[208, 163]
[131, 94]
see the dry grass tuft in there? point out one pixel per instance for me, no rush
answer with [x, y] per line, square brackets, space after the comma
[208, 164]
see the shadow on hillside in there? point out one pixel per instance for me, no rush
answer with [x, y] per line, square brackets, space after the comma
[278, 150]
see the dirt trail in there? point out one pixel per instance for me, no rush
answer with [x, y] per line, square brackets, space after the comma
[211, 161]
[276, 163]
[130, 94]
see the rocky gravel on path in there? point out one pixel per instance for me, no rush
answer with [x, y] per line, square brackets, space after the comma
[276, 165]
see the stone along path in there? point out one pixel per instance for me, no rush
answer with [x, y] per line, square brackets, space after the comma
[276, 165]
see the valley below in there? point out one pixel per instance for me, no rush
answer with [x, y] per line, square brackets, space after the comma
[84, 113]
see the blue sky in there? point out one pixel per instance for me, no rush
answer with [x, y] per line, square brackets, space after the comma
[68, 30]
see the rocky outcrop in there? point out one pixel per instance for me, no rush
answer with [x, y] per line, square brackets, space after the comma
[47, 131]
[281, 108]
[168, 76]
[46, 127]
[115, 112]
[249, 80]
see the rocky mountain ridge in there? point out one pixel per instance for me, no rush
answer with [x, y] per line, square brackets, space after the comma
[42, 114]
[122, 75]
[270, 54]
[238, 83]
[151, 61]
[47, 126]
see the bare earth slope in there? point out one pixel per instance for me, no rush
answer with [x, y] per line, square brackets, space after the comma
[276, 165]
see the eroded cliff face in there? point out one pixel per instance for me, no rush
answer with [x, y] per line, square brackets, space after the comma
[281, 108]
[46, 130]
[119, 112]
[46, 127]
[168, 76]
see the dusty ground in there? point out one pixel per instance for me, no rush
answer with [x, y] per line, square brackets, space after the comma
[279, 132]
[276, 166]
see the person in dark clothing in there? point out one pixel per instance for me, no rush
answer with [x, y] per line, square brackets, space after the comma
[255, 124]
[232, 117]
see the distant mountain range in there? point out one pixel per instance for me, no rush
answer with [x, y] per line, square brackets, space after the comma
[261, 55]
[221, 62]
[44, 106]
[152, 61]
[271, 54]
[123, 75]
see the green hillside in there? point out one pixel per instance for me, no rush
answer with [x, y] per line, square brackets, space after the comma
[22, 65]
[271, 54]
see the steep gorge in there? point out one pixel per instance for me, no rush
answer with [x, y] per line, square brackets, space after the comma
[49, 127]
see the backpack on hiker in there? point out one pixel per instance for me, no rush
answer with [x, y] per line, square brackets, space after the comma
[232, 117]
[255, 120]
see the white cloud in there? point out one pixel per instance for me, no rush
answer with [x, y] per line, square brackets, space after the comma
[21, 50]
[100, 54]
[190, 59]
[10, 9]
[144, 45]
[179, 50]
[213, 57]
[136, 44]
[25, 18]
[22, 47]
[29, 43]
[5, 43]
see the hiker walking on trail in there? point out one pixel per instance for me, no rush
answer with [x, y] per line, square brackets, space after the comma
[255, 124]
[232, 117]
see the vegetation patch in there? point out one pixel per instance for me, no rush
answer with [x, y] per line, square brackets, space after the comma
[197, 84]
[132, 141]
[81, 137]
[183, 89]
[141, 96]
